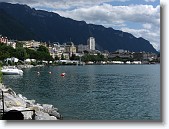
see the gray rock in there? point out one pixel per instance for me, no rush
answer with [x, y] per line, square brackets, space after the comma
[1, 86]
[27, 114]
[47, 108]
[11, 101]
[30, 103]
[56, 114]
[44, 116]
[36, 108]
[20, 103]
[10, 91]
[22, 97]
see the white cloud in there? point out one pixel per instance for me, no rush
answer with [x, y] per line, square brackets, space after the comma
[115, 14]
[99, 12]
[118, 16]
[149, 0]
[147, 26]
[60, 4]
[151, 34]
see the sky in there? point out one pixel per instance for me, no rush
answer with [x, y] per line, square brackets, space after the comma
[138, 17]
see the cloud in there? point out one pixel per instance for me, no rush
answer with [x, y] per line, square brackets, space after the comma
[149, 0]
[61, 4]
[152, 34]
[119, 16]
[147, 26]
[144, 19]
[115, 14]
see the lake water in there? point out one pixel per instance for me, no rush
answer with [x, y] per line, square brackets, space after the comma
[94, 92]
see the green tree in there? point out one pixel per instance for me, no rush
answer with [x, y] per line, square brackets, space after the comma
[32, 53]
[19, 44]
[21, 54]
[138, 56]
[117, 58]
[86, 58]
[62, 57]
[43, 54]
[74, 57]
[43, 49]
[56, 57]
[6, 51]
[4, 55]
[95, 58]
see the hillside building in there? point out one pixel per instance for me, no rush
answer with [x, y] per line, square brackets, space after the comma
[3, 39]
[91, 43]
[81, 48]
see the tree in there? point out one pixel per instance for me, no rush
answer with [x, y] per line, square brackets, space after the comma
[74, 57]
[62, 57]
[43, 54]
[43, 49]
[138, 56]
[56, 57]
[86, 58]
[4, 55]
[117, 58]
[21, 54]
[32, 53]
[6, 51]
[19, 44]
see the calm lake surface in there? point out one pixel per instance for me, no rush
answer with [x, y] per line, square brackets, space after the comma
[94, 92]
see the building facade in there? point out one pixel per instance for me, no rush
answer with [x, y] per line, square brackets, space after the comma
[3, 39]
[81, 48]
[31, 44]
[91, 43]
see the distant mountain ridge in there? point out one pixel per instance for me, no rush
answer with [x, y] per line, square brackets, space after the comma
[24, 23]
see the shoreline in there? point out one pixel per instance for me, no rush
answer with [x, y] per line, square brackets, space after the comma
[29, 108]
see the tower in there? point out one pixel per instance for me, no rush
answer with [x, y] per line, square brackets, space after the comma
[91, 43]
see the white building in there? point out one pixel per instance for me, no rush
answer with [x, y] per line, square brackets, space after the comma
[12, 44]
[91, 43]
[31, 44]
[81, 48]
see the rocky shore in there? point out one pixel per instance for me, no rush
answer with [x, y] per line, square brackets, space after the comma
[29, 108]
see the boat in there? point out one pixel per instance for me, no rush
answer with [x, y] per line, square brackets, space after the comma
[11, 70]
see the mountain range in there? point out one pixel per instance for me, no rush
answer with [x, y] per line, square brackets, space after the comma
[21, 22]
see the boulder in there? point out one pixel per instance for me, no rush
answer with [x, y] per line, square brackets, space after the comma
[30, 103]
[11, 101]
[1, 86]
[36, 108]
[44, 116]
[16, 103]
[47, 108]
[10, 91]
[22, 97]
[27, 114]
[55, 114]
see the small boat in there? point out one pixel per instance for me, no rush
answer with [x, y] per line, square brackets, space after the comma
[11, 70]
